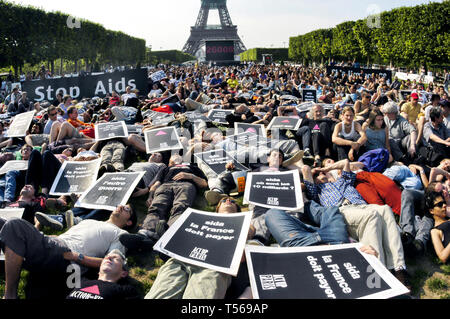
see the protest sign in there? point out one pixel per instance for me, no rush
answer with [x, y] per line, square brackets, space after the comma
[111, 130]
[196, 116]
[280, 190]
[158, 76]
[13, 166]
[405, 94]
[319, 272]
[110, 191]
[75, 177]
[257, 129]
[219, 116]
[88, 86]
[8, 214]
[248, 139]
[358, 71]
[309, 95]
[135, 129]
[217, 160]
[20, 124]
[285, 123]
[162, 139]
[209, 240]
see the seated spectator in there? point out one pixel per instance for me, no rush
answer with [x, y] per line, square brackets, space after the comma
[437, 136]
[437, 207]
[377, 133]
[411, 110]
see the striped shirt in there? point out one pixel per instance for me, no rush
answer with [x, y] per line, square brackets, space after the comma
[334, 194]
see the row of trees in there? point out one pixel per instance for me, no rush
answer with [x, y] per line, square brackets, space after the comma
[279, 54]
[408, 36]
[168, 57]
[30, 35]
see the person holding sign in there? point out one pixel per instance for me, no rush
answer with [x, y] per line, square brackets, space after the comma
[85, 244]
[179, 280]
[173, 192]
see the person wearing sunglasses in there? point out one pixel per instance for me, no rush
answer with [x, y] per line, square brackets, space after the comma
[85, 244]
[52, 118]
[440, 234]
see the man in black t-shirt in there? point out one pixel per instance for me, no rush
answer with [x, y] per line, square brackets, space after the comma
[112, 270]
[173, 192]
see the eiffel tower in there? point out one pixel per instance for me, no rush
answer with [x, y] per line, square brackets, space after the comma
[202, 32]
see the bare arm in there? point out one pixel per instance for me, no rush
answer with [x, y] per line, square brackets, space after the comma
[91, 262]
[417, 169]
[339, 140]
[437, 174]
[442, 252]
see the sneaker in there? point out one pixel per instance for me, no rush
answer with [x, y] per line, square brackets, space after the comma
[213, 197]
[307, 154]
[137, 242]
[102, 170]
[403, 277]
[68, 216]
[294, 159]
[54, 222]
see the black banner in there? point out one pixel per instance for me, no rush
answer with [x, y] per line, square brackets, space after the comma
[358, 71]
[336, 272]
[209, 240]
[88, 86]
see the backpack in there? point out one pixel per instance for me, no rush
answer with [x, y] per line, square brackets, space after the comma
[375, 160]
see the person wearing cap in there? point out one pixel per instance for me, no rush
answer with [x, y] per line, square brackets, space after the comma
[84, 244]
[411, 110]
[233, 83]
[113, 270]
[179, 280]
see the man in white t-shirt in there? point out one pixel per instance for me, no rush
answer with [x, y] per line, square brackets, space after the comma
[85, 244]
[127, 95]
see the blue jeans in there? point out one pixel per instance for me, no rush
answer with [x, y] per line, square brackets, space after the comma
[291, 232]
[10, 185]
[411, 200]
[2, 188]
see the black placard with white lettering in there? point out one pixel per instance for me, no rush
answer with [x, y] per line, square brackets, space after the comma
[196, 116]
[217, 160]
[257, 129]
[281, 190]
[110, 191]
[111, 130]
[309, 95]
[210, 240]
[336, 272]
[75, 177]
[405, 94]
[285, 123]
[358, 71]
[163, 139]
[88, 86]
[219, 116]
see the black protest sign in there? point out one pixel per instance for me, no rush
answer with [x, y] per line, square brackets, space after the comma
[280, 190]
[163, 120]
[217, 160]
[358, 71]
[257, 129]
[135, 129]
[405, 94]
[219, 116]
[162, 139]
[8, 214]
[14, 166]
[111, 130]
[196, 117]
[20, 124]
[248, 139]
[75, 177]
[320, 272]
[88, 86]
[209, 240]
[285, 123]
[110, 191]
[309, 95]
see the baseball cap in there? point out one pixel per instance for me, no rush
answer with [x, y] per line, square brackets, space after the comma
[415, 96]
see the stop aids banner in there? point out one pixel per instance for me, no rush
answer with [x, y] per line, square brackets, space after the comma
[88, 86]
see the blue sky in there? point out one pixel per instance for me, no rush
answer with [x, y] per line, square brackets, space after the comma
[165, 24]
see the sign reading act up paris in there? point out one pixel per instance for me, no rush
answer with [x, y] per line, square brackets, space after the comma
[320, 272]
[209, 240]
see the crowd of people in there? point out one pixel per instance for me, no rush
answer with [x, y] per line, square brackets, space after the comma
[373, 157]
